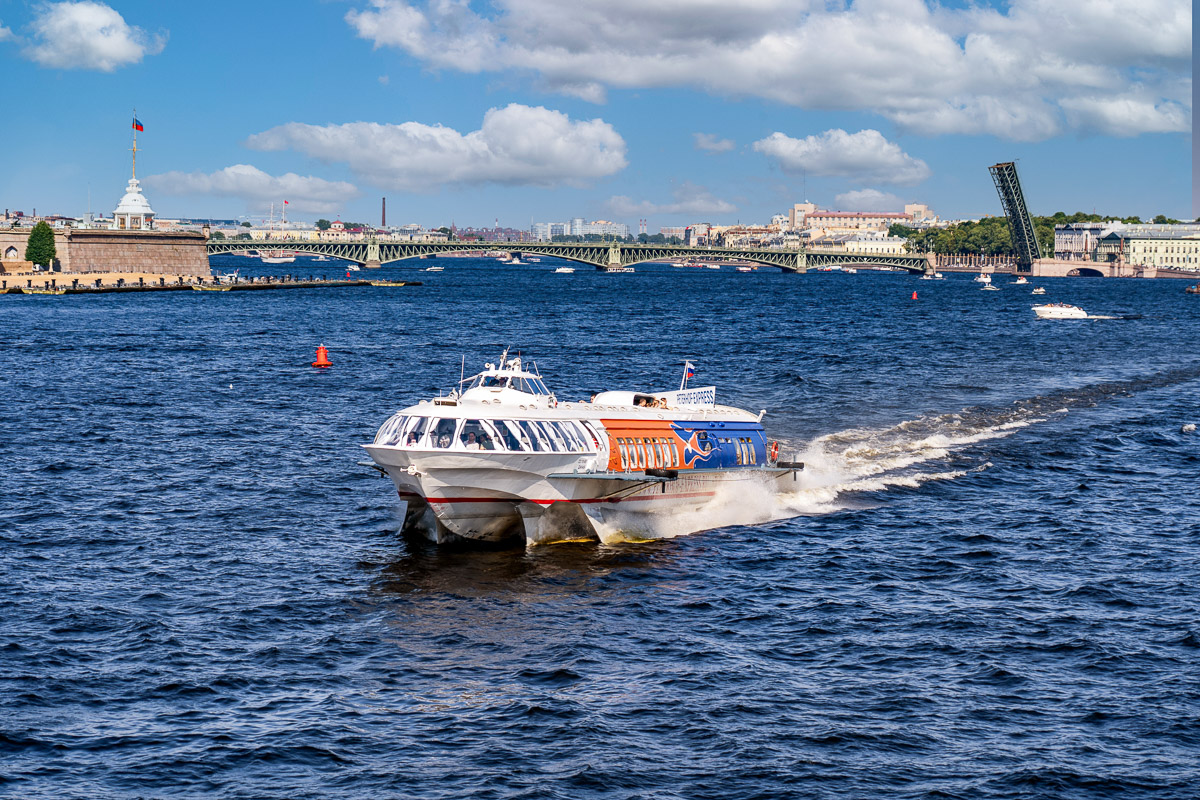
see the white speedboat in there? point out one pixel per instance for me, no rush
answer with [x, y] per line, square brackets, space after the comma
[987, 287]
[502, 457]
[1059, 311]
[1020, 281]
[743, 269]
[353, 267]
[1039, 290]
[851, 270]
[983, 277]
[618, 269]
[565, 270]
[434, 269]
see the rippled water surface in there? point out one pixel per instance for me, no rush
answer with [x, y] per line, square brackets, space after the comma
[984, 586]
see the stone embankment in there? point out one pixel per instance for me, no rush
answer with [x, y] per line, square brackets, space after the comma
[106, 283]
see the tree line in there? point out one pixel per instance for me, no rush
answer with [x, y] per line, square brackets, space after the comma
[990, 235]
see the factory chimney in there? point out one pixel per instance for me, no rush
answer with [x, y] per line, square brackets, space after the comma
[383, 222]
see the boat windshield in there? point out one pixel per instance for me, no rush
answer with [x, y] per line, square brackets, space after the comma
[527, 384]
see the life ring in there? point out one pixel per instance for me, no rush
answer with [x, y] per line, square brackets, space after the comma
[774, 451]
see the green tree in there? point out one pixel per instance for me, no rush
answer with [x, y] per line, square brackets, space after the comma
[40, 247]
[247, 225]
[242, 237]
[1163, 219]
[216, 236]
[449, 233]
[323, 224]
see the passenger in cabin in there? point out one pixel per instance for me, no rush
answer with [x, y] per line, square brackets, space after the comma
[486, 442]
[471, 443]
[412, 439]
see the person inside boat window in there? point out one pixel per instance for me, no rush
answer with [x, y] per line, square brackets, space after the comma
[471, 442]
[440, 435]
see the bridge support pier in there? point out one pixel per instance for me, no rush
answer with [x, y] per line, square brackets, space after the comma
[802, 262]
[931, 264]
[372, 264]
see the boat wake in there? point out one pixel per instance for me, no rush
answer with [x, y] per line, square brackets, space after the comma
[841, 467]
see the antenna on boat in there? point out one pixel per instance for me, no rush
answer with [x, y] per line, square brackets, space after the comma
[462, 371]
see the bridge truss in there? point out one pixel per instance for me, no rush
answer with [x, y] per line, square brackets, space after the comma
[602, 256]
[1020, 223]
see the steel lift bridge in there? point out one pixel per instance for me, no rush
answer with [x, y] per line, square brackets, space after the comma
[1020, 223]
[603, 256]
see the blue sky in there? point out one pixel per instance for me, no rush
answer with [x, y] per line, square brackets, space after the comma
[679, 111]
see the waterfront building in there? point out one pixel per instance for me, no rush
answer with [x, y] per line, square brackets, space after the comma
[677, 231]
[546, 231]
[1159, 246]
[835, 222]
[1076, 241]
[877, 245]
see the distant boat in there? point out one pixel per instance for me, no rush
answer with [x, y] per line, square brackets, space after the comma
[983, 277]
[1020, 281]
[277, 256]
[851, 270]
[619, 269]
[565, 270]
[353, 267]
[322, 258]
[533, 259]
[744, 269]
[434, 269]
[1039, 290]
[987, 287]
[1192, 289]
[1059, 311]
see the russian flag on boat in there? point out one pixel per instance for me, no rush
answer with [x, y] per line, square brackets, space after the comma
[691, 369]
[137, 126]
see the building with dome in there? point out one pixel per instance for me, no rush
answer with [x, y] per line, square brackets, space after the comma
[133, 213]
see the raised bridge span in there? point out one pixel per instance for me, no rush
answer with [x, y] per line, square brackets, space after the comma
[374, 252]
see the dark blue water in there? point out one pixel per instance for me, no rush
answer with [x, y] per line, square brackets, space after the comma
[984, 587]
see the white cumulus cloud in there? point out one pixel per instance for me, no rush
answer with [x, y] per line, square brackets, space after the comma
[865, 157]
[515, 145]
[5, 33]
[1011, 69]
[258, 188]
[711, 143]
[88, 35]
[688, 199]
[868, 200]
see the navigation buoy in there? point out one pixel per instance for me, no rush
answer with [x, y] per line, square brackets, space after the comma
[914, 295]
[322, 358]
[347, 273]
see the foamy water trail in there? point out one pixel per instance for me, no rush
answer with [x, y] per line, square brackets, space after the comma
[839, 465]
[836, 466]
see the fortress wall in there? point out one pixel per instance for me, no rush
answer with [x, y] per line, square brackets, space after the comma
[146, 252]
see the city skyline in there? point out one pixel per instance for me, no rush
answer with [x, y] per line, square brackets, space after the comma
[520, 112]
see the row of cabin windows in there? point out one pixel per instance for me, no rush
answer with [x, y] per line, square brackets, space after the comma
[647, 452]
[530, 385]
[516, 436]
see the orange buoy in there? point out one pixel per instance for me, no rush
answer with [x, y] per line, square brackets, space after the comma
[914, 295]
[322, 358]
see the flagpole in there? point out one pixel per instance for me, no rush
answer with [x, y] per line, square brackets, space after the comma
[134, 145]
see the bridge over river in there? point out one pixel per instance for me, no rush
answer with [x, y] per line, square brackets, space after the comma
[375, 252]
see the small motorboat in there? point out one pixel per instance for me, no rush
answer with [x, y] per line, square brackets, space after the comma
[353, 267]
[565, 270]
[1020, 281]
[1039, 290]
[743, 269]
[987, 287]
[1193, 289]
[434, 269]
[1059, 311]
[983, 277]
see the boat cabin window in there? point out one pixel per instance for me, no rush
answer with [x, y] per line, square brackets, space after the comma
[624, 455]
[509, 435]
[441, 433]
[412, 431]
[532, 438]
[389, 433]
[493, 382]
[474, 436]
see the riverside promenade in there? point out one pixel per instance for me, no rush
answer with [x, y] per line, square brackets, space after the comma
[89, 283]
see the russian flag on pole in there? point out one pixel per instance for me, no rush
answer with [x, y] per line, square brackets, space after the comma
[691, 370]
[137, 126]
